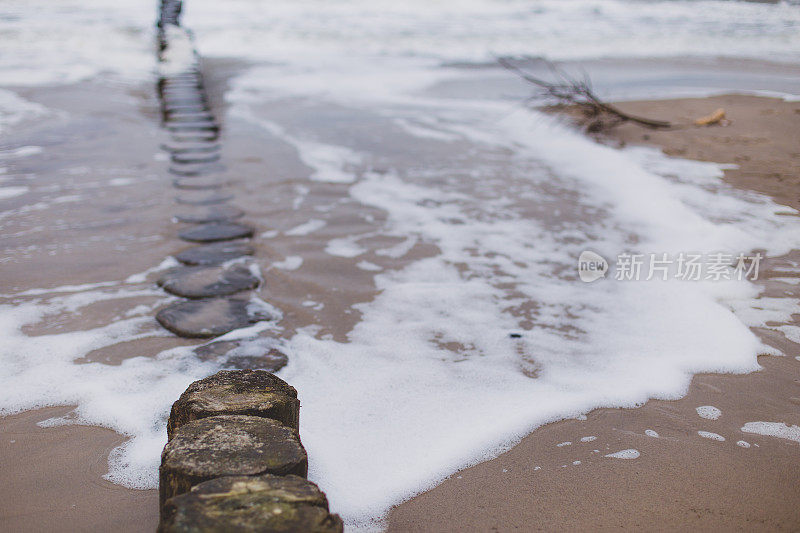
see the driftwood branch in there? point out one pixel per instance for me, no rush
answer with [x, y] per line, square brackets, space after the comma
[569, 91]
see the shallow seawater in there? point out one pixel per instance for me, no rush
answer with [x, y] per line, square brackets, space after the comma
[469, 215]
[417, 227]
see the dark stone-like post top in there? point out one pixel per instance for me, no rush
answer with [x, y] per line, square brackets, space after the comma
[265, 503]
[230, 445]
[237, 392]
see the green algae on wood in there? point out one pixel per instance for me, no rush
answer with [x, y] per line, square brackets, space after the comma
[237, 392]
[228, 445]
[258, 503]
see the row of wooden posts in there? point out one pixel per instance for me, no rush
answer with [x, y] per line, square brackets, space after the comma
[234, 460]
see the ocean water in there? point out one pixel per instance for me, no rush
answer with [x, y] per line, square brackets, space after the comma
[478, 30]
[479, 330]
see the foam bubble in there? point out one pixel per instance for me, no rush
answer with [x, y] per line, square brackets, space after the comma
[345, 247]
[710, 435]
[366, 265]
[293, 262]
[630, 453]
[709, 412]
[773, 429]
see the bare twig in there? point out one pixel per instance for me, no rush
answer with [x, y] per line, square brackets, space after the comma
[569, 91]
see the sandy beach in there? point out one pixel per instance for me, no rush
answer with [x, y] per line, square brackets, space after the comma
[559, 476]
[680, 477]
[414, 221]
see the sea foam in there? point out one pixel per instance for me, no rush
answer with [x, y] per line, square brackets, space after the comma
[510, 204]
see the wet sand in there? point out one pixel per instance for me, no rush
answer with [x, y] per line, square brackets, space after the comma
[93, 213]
[681, 480]
[52, 479]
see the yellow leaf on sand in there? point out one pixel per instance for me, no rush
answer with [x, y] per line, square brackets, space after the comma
[713, 118]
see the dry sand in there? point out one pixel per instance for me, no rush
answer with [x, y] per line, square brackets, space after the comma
[762, 138]
[681, 480]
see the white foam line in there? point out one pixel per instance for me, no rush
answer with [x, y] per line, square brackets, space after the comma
[306, 228]
[11, 192]
[141, 277]
[329, 163]
[22, 151]
[292, 262]
[399, 250]
[345, 247]
[371, 267]
[789, 281]
[630, 453]
[65, 288]
[425, 131]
